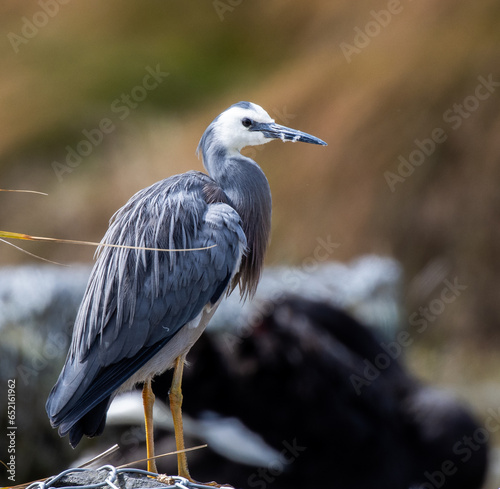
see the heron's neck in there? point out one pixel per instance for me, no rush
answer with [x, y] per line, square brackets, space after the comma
[248, 190]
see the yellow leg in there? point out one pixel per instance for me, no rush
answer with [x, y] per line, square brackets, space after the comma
[175, 397]
[148, 399]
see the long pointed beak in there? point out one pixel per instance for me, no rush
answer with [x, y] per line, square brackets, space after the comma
[271, 130]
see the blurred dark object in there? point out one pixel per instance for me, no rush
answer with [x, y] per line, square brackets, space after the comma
[38, 305]
[285, 368]
[335, 403]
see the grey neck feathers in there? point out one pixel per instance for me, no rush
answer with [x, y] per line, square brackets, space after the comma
[248, 191]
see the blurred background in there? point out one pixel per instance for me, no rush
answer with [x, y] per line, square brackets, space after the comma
[100, 99]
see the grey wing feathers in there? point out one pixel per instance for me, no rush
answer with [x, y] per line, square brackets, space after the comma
[136, 300]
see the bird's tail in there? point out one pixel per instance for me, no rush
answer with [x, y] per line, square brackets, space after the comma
[67, 407]
[90, 424]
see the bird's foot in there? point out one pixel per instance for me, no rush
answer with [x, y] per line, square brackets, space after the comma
[166, 479]
[183, 481]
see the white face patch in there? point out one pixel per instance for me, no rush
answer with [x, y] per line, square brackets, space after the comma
[233, 134]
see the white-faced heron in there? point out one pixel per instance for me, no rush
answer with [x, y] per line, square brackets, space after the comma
[143, 310]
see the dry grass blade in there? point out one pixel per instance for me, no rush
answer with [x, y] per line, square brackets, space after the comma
[163, 455]
[32, 254]
[23, 191]
[101, 456]
[27, 237]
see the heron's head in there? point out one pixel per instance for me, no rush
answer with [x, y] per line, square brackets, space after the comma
[247, 124]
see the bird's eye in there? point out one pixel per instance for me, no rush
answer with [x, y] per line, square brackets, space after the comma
[246, 122]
